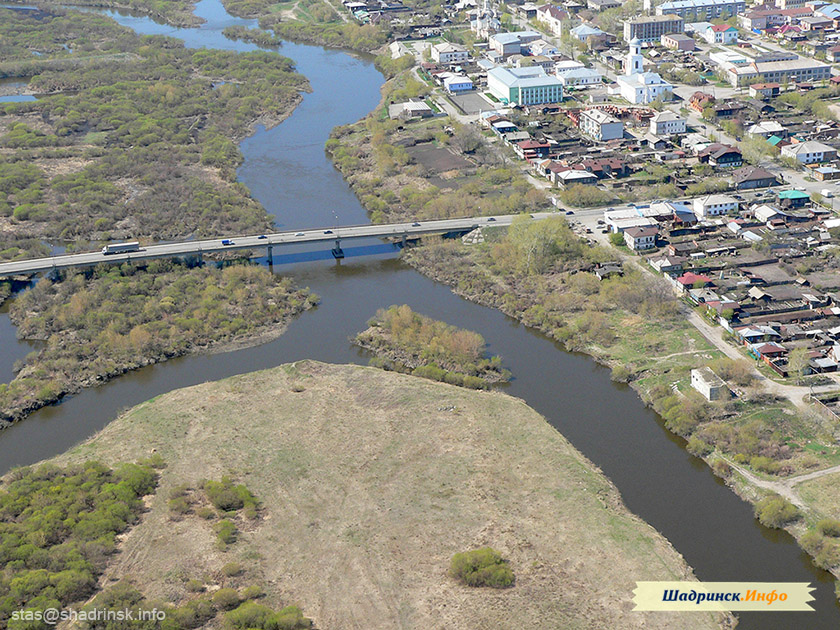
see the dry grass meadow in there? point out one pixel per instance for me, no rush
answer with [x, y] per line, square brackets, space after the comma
[370, 482]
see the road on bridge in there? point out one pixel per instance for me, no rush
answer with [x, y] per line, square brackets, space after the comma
[197, 248]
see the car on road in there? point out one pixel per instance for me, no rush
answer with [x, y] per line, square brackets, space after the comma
[328, 231]
[415, 224]
[570, 211]
[227, 241]
[300, 234]
[262, 237]
[492, 219]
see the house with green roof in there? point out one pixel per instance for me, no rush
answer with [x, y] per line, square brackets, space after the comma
[793, 198]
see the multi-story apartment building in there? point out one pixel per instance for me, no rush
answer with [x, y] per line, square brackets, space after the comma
[701, 10]
[651, 28]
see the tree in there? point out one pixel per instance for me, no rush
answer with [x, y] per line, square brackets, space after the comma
[798, 363]
[467, 139]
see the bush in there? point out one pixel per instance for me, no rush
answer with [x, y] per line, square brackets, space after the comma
[774, 511]
[250, 616]
[253, 592]
[721, 468]
[227, 497]
[232, 569]
[179, 506]
[481, 567]
[765, 464]
[829, 527]
[226, 599]
[699, 447]
[195, 586]
[205, 513]
[226, 531]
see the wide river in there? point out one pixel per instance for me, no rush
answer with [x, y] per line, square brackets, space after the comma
[287, 170]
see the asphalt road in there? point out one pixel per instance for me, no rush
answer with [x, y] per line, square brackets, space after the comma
[319, 235]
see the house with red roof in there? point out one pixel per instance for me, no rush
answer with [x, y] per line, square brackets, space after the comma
[721, 34]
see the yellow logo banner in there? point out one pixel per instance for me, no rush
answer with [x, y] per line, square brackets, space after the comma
[724, 596]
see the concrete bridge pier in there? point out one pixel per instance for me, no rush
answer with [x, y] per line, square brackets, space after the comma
[270, 253]
[337, 251]
[404, 238]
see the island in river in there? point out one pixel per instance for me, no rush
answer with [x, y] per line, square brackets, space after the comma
[370, 482]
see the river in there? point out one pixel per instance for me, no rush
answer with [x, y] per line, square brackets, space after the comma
[287, 170]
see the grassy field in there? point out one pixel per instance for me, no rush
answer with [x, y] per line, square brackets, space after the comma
[370, 482]
[821, 495]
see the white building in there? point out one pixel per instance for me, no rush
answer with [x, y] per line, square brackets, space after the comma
[765, 213]
[721, 34]
[702, 9]
[639, 87]
[600, 125]
[580, 77]
[553, 18]
[457, 83]
[714, 205]
[767, 128]
[566, 65]
[705, 381]
[640, 238]
[507, 44]
[810, 152]
[524, 86]
[449, 53]
[667, 123]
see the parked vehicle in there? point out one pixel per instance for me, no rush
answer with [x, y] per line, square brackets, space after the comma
[121, 248]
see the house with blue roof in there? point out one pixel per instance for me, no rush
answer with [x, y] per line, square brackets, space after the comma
[584, 31]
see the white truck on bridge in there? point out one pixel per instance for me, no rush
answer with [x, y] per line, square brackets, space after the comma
[121, 248]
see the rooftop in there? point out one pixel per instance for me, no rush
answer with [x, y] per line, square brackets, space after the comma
[646, 19]
[600, 116]
[683, 4]
[534, 76]
[706, 375]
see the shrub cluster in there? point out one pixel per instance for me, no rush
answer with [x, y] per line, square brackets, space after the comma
[59, 525]
[410, 342]
[776, 512]
[236, 609]
[229, 497]
[112, 319]
[481, 567]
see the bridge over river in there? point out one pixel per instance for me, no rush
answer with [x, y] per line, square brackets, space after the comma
[333, 235]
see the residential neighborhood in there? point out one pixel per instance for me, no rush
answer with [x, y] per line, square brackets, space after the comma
[713, 104]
